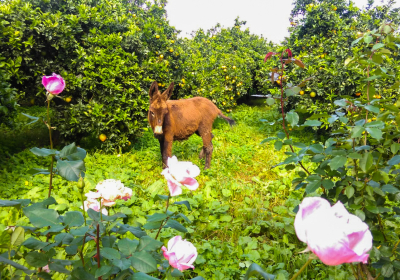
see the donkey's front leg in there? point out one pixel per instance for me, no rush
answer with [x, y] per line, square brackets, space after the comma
[166, 152]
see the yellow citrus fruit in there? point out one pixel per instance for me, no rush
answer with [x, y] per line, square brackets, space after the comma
[313, 94]
[172, 41]
[102, 137]
[382, 109]
[159, 84]
[134, 15]
[161, 56]
[183, 80]
[369, 120]
[68, 99]
[301, 92]
[158, 36]
[234, 67]
[171, 50]
[129, 143]
[231, 98]
[26, 183]
[227, 77]
[334, 8]
[278, 82]
[358, 93]
[374, 119]
[378, 96]
[223, 103]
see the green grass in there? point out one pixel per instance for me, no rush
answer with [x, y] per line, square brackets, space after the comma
[242, 211]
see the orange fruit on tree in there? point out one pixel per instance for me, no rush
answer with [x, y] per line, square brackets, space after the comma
[358, 93]
[313, 94]
[68, 99]
[102, 137]
[301, 92]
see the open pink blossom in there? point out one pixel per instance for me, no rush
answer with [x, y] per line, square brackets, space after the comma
[332, 233]
[180, 173]
[46, 268]
[95, 205]
[180, 254]
[112, 190]
[54, 84]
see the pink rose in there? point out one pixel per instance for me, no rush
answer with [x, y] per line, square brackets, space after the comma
[180, 174]
[95, 205]
[332, 233]
[180, 254]
[46, 268]
[54, 84]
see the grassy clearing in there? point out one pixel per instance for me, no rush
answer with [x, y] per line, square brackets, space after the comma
[241, 213]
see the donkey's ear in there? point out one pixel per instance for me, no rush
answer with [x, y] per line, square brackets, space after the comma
[153, 89]
[167, 94]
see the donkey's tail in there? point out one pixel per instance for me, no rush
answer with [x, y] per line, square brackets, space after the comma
[229, 120]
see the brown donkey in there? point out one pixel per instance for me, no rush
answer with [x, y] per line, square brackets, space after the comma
[179, 119]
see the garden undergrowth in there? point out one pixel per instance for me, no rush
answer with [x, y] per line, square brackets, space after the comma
[241, 213]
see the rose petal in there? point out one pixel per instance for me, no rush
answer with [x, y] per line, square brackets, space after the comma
[190, 183]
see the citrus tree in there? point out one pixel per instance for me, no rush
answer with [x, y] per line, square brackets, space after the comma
[108, 52]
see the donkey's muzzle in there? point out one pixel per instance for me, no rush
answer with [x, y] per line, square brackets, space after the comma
[158, 129]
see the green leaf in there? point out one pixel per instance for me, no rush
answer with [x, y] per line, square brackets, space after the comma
[122, 264]
[327, 184]
[34, 119]
[278, 145]
[40, 217]
[349, 191]
[312, 123]
[394, 160]
[366, 162]
[110, 253]
[377, 46]
[368, 39]
[64, 238]
[73, 219]
[17, 237]
[127, 246]
[374, 132]
[71, 170]
[147, 243]
[175, 225]
[390, 189]
[43, 152]
[157, 217]
[16, 265]
[337, 162]
[94, 215]
[14, 203]
[372, 109]
[355, 155]
[104, 269]
[254, 269]
[68, 150]
[142, 276]
[269, 139]
[293, 118]
[34, 244]
[143, 262]
[357, 132]
[292, 91]
[270, 101]
[313, 186]
[36, 259]
[58, 267]
[185, 202]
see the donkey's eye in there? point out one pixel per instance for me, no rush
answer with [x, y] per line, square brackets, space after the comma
[152, 114]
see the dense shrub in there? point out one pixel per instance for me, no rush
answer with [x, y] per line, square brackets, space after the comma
[321, 36]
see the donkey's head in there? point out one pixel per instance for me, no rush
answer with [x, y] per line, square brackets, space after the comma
[158, 107]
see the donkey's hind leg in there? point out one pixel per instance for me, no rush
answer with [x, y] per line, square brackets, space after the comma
[207, 150]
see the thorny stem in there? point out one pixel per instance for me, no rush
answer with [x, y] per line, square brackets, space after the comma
[83, 206]
[301, 269]
[98, 247]
[51, 146]
[283, 113]
[354, 272]
[381, 226]
[166, 220]
[81, 252]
